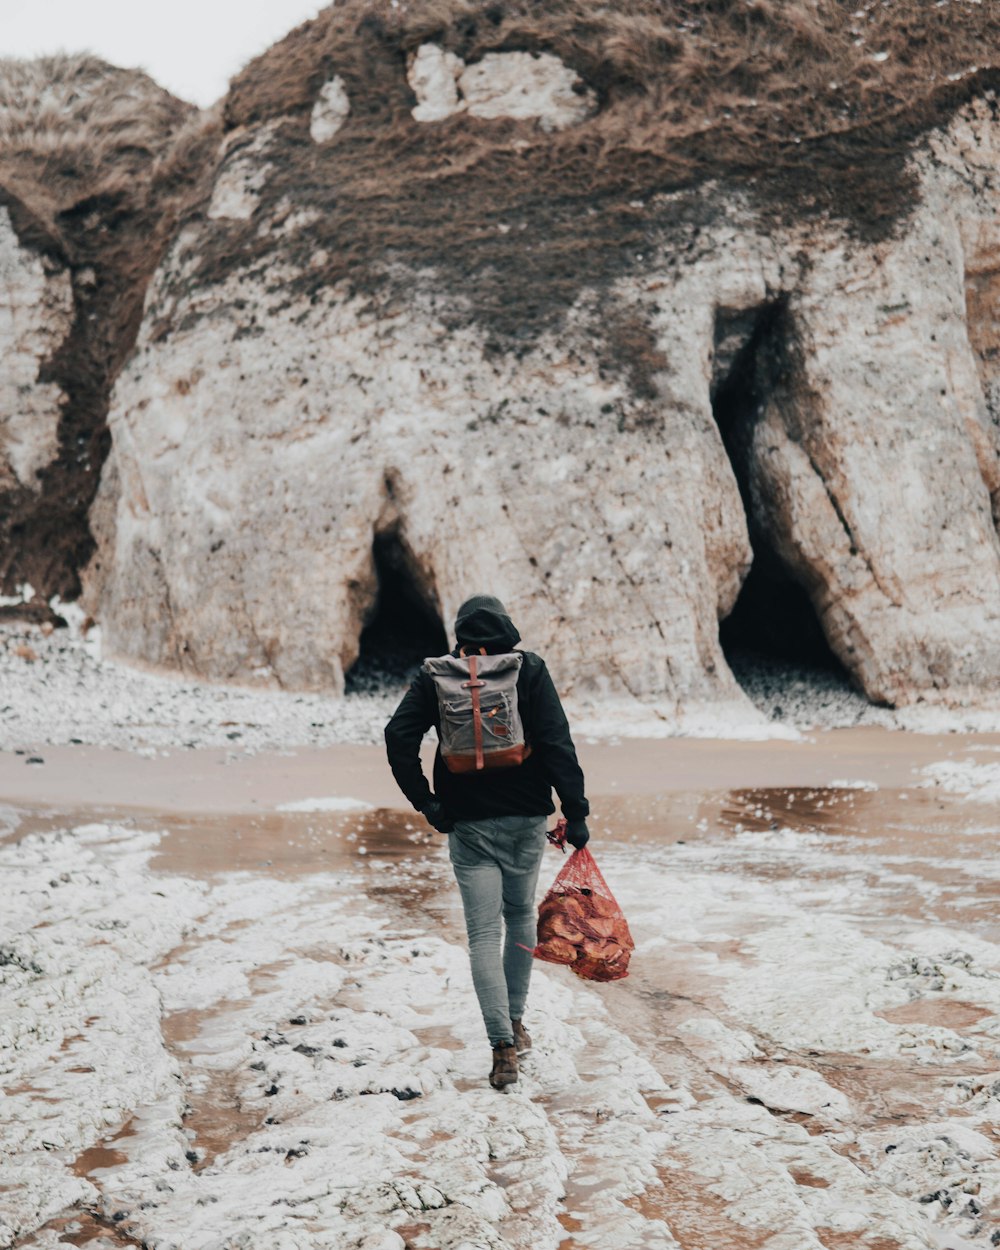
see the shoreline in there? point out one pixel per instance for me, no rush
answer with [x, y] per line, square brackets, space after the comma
[240, 1004]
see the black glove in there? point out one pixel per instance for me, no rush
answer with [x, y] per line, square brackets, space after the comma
[435, 815]
[577, 833]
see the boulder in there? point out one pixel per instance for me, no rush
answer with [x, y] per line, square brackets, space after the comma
[502, 84]
[261, 447]
[874, 457]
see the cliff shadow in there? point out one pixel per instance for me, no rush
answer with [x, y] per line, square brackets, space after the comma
[404, 623]
[773, 620]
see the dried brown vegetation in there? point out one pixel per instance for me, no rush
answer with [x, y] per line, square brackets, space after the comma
[95, 165]
[74, 127]
[799, 106]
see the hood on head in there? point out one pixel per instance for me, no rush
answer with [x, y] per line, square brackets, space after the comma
[482, 621]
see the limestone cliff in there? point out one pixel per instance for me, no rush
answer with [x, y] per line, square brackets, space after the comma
[639, 320]
[91, 165]
[35, 318]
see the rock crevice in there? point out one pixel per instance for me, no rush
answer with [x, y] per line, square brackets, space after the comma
[774, 614]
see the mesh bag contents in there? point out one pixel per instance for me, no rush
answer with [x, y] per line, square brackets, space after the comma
[581, 925]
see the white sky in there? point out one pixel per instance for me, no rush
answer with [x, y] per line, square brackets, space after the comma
[191, 47]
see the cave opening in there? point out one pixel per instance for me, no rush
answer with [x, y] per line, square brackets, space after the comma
[773, 625]
[403, 626]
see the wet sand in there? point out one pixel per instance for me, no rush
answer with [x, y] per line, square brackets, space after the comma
[208, 780]
[750, 837]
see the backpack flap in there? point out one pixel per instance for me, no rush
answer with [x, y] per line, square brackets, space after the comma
[481, 725]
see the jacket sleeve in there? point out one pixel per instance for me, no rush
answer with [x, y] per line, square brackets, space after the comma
[403, 736]
[550, 737]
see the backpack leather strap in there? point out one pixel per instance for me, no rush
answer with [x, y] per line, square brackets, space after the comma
[474, 685]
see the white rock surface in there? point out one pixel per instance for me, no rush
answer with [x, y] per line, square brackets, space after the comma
[646, 560]
[980, 782]
[345, 1056]
[295, 1054]
[525, 85]
[330, 110]
[433, 75]
[519, 85]
[242, 172]
[36, 313]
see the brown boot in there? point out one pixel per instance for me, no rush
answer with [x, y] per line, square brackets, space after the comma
[522, 1038]
[504, 1065]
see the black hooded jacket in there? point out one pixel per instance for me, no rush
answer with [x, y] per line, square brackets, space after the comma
[525, 790]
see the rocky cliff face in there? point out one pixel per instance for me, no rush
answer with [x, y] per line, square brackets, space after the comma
[478, 304]
[91, 165]
[35, 318]
[873, 453]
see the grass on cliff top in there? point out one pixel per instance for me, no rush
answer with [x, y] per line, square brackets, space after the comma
[800, 107]
[75, 128]
[688, 89]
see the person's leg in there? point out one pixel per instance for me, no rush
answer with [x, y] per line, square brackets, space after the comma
[524, 845]
[480, 882]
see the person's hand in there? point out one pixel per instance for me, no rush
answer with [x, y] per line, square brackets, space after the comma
[435, 815]
[577, 833]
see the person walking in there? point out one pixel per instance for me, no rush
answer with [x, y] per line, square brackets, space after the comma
[503, 745]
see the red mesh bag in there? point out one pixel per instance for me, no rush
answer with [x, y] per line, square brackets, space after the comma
[581, 925]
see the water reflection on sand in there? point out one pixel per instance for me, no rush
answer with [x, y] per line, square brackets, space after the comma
[816, 984]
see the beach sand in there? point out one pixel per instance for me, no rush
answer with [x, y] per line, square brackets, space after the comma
[225, 1024]
[232, 780]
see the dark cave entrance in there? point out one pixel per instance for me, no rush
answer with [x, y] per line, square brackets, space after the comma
[773, 623]
[404, 625]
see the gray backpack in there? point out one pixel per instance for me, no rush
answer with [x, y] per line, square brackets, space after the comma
[480, 722]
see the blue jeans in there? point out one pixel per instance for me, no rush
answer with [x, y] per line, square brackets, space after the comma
[496, 865]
